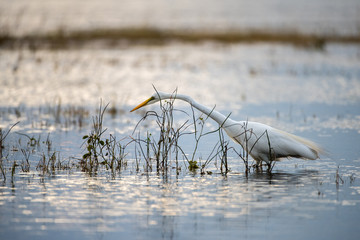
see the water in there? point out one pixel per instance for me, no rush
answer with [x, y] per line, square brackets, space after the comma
[315, 95]
[300, 203]
[308, 16]
[311, 92]
[253, 74]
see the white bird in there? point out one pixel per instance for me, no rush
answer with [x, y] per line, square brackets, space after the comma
[262, 142]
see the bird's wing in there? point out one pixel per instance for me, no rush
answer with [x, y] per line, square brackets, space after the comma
[295, 146]
[282, 144]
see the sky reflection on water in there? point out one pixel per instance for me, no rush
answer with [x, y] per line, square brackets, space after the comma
[311, 93]
[309, 16]
[241, 74]
[185, 206]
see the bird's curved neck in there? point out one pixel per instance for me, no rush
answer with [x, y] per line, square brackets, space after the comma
[210, 112]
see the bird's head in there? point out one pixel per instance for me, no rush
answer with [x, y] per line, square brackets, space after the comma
[156, 97]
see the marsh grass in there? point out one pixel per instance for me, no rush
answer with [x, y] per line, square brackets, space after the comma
[63, 39]
[94, 144]
[28, 148]
[3, 136]
[246, 150]
[48, 164]
[100, 150]
[166, 146]
[25, 154]
[338, 178]
[51, 115]
[50, 160]
[160, 152]
[223, 152]
[219, 151]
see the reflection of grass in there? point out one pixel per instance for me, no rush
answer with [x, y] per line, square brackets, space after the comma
[145, 35]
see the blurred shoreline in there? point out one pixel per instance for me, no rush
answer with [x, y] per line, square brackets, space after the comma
[111, 37]
[110, 23]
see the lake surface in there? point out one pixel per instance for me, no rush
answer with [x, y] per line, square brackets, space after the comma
[54, 94]
[311, 90]
[21, 17]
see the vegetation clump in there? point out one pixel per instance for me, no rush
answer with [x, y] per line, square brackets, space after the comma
[160, 152]
[99, 150]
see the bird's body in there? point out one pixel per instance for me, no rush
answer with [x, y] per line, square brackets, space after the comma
[262, 142]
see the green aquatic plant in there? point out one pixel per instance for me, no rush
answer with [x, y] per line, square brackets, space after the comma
[100, 150]
[94, 144]
[193, 165]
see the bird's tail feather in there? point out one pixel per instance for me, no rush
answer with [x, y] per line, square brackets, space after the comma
[315, 148]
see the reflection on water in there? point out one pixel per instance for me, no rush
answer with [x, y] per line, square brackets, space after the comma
[178, 206]
[315, 94]
[309, 16]
[241, 73]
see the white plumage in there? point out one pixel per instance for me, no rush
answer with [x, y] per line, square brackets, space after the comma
[262, 142]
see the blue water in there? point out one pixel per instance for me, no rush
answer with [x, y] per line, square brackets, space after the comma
[298, 200]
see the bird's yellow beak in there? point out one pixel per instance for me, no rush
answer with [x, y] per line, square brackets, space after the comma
[142, 104]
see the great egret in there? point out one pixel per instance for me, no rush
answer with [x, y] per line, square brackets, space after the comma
[262, 142]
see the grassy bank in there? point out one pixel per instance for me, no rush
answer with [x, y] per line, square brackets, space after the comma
[143, 35]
